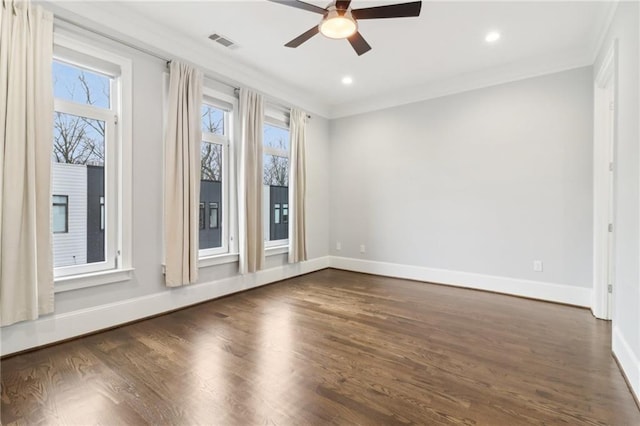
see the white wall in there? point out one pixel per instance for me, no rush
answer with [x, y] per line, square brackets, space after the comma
[89, 309]
[70, 248]
[483, 182]
[626, 305]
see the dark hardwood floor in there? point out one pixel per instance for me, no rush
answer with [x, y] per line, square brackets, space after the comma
[332, 347]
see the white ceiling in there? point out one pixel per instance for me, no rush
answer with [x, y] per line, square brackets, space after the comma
[411, 57]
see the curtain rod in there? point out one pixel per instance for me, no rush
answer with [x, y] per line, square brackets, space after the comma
[148, 52]
[237, 92]
[132, 46]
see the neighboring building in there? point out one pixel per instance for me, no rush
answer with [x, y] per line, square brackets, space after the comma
[276, 220]
[77, 214]
[210, 214]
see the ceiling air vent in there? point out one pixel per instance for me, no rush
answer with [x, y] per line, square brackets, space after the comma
[225, 41]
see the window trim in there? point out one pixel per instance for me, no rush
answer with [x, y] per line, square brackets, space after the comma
[120, 114]
[226, 208]
[272, 120]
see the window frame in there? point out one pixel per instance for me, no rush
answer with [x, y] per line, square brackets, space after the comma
[117, 265]
[276, 120]
[226, 210]
[66, 213]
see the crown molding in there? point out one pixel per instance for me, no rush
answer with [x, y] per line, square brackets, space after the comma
[465, 82]
[116, 19]
[605, 23]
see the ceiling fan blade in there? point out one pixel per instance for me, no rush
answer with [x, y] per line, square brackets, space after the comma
[343, 4]
[402, 10]
[301, 5]
[303, 37]
[359, 44]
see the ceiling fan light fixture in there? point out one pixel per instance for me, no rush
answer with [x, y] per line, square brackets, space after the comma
[338, 26]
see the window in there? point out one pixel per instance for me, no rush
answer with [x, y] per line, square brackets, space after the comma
[214, 175]
[276, 214]
[90, 164]
[276, 182]
[102, 213]
[213, 216]
[60, 213]
[201, 221]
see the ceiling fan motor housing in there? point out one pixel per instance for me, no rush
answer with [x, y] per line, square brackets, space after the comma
[338, 23]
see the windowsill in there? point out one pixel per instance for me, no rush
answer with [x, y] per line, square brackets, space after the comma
[75, 282]
[217, 259]
[272, 251]
[221, 259]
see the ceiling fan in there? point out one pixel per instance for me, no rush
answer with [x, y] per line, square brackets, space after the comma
[340, 21]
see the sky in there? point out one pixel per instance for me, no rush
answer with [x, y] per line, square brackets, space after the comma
[66, 85]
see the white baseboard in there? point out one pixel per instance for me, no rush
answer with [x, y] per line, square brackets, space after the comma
[562, 293]
[628, 360]
[55, 328]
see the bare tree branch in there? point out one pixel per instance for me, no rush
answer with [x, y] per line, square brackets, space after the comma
[211, 161]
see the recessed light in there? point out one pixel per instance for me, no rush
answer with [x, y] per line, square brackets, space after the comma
[492, 37]
[347, 80]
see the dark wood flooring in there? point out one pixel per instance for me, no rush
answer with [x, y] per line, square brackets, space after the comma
[332, 347]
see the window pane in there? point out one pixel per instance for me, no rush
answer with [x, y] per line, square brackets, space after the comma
[79, 85]
[285, 213]
[78, 140]
[276, 200]
[212, 120]
[276, 182]
[59, 213]
[276, 137]
[276, 170]
[211, 161]
[78, 162]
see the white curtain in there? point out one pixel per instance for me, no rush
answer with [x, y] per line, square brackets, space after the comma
[297, 187]
[26, 135]
[182, 175]
[250, 181]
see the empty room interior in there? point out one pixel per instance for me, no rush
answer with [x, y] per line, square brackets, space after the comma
[320, 212]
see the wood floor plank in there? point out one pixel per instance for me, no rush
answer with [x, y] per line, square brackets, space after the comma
[332, 347]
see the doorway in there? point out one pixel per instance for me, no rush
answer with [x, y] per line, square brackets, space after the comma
[604, 172]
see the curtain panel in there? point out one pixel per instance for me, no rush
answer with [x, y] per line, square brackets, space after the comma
[26, 135]
[297, 187]
[250, 180]
[182, 175]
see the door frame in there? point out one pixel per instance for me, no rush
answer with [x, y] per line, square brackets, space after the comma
[604, 176]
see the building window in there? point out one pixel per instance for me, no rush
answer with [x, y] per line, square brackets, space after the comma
[102, 213]
[60, 213]
[90, 159]
[213, 216]
[201, 220]
[276, 214]
[216, 117]
[285, 213]
[275, 181]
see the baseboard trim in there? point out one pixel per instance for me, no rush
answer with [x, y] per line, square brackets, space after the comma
[628, 362]
[551, 292]
[56, 328]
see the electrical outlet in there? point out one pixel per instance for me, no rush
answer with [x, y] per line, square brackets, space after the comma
[537, 265]
[338, 245]
[363, 249]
